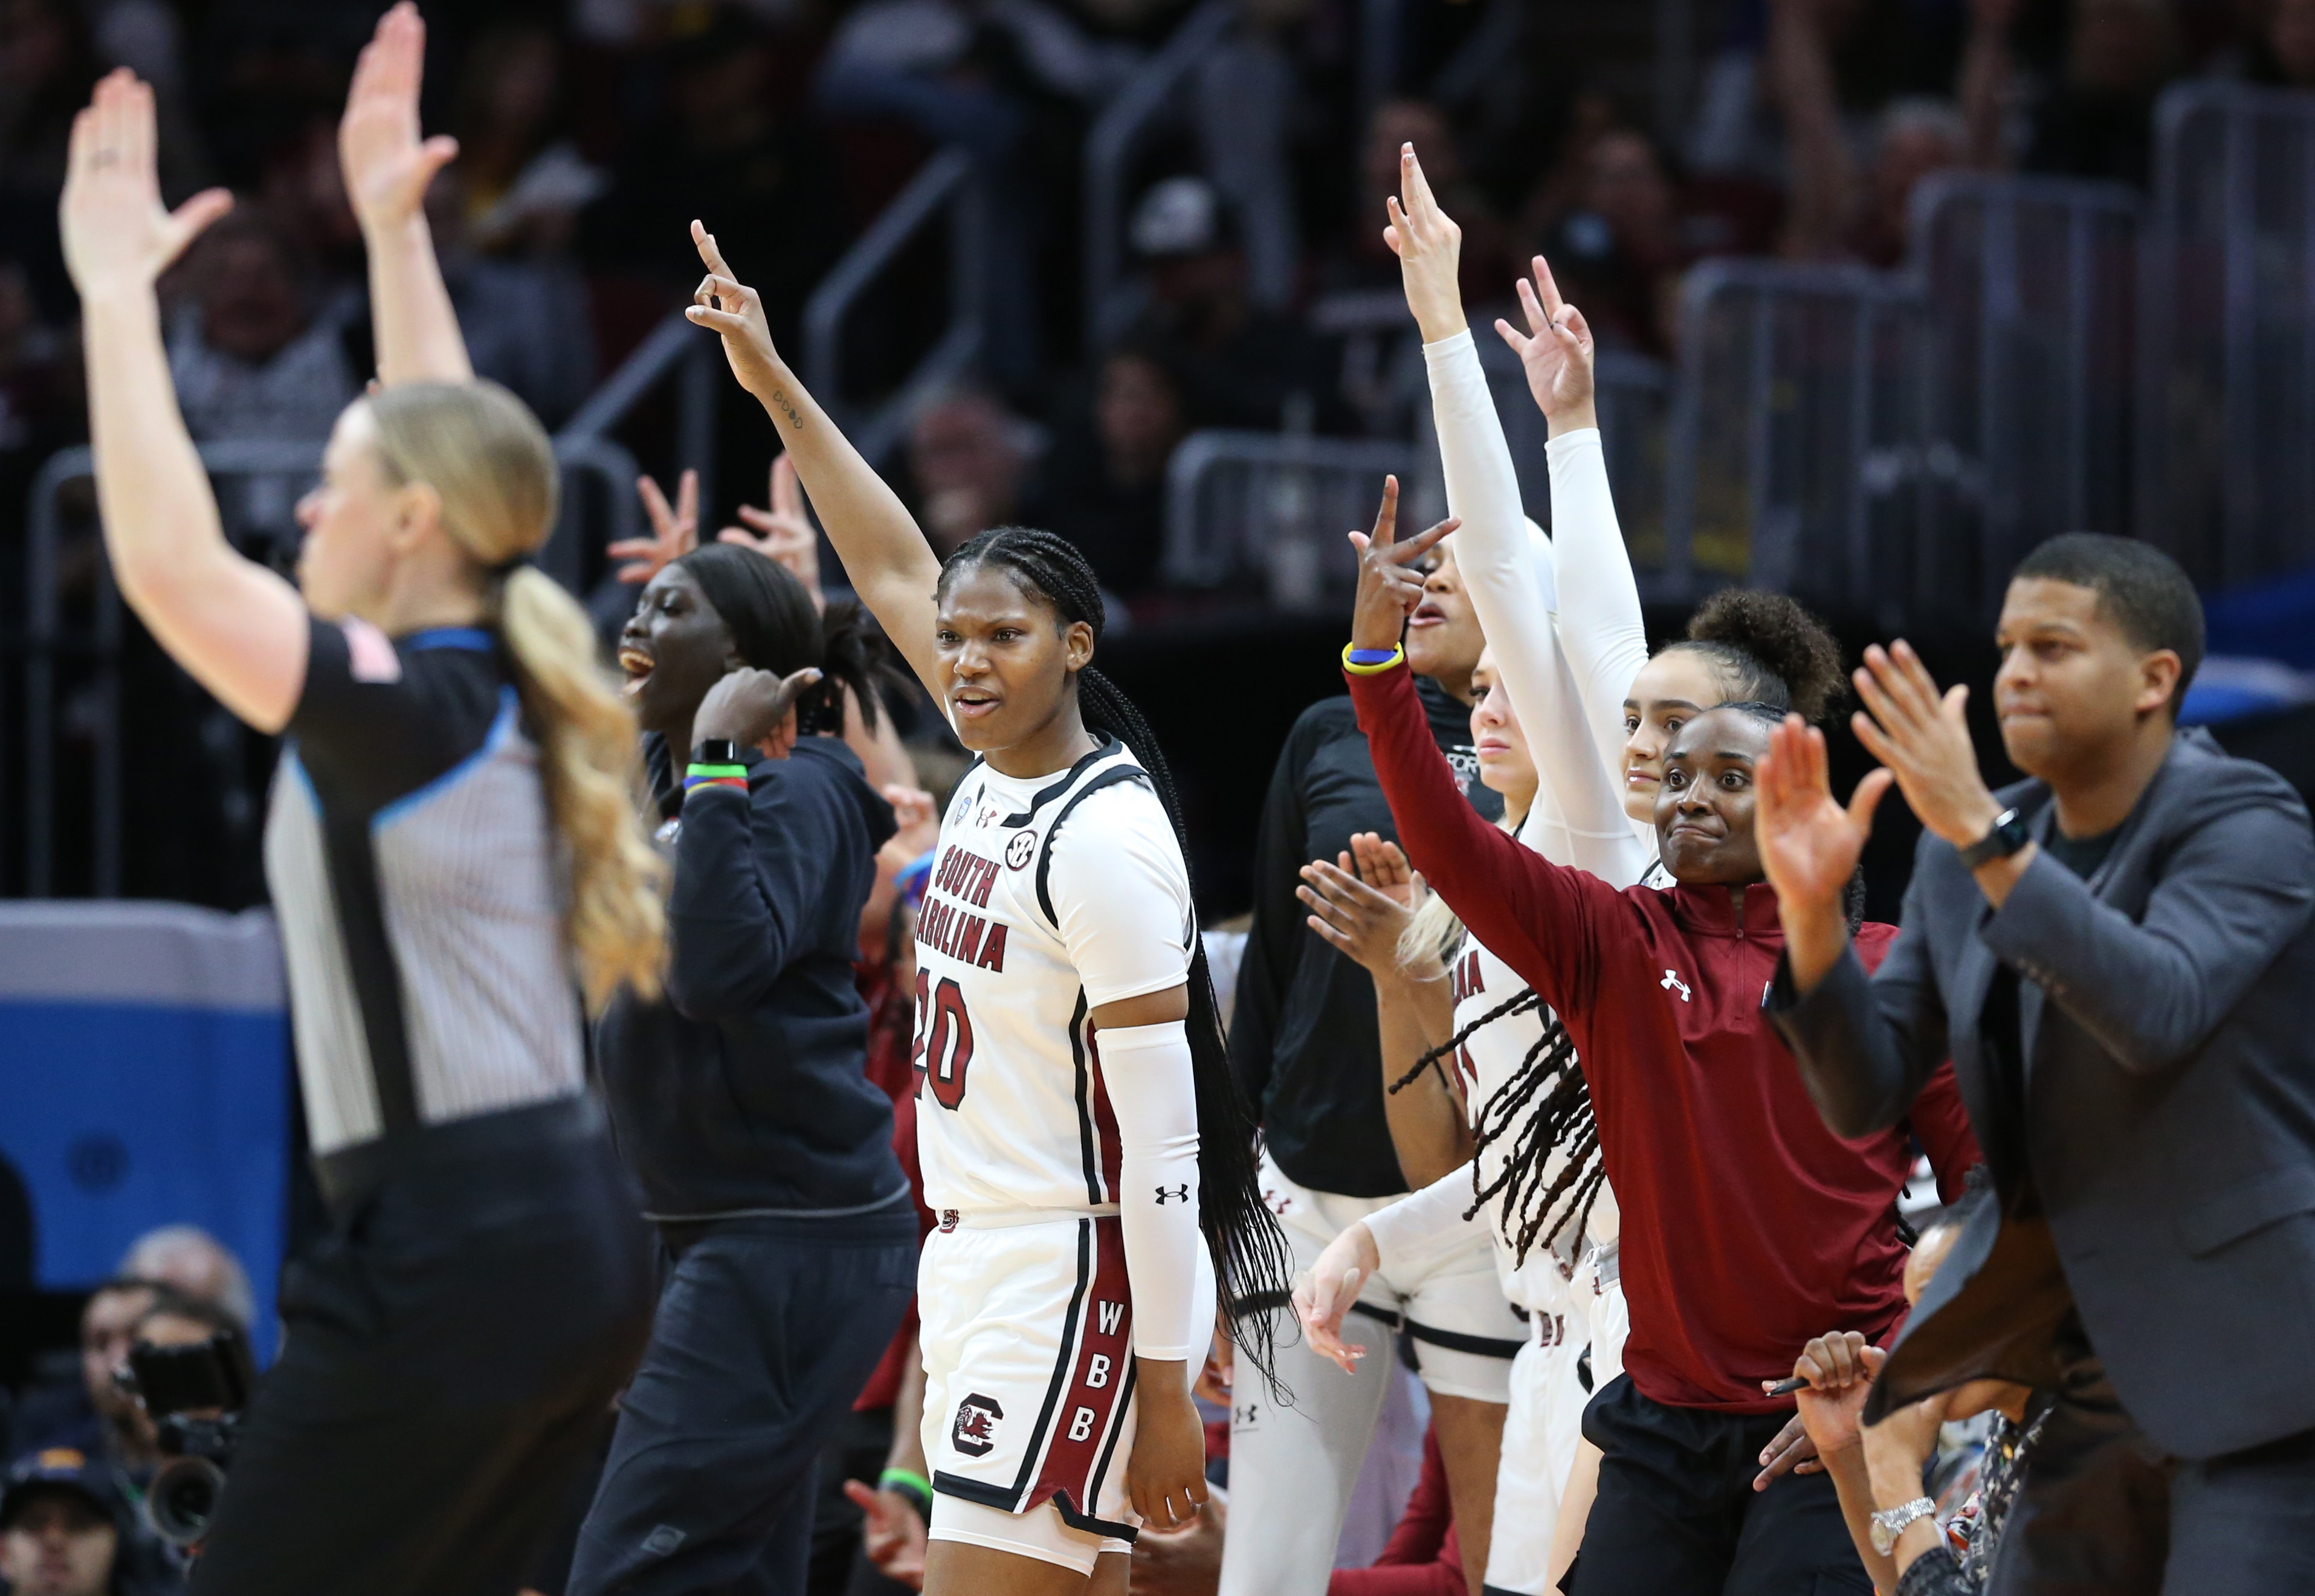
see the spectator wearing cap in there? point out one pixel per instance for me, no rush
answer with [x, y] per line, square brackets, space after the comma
[1239, 365]
[60, 1527]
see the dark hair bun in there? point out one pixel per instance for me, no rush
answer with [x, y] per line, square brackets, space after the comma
[1790, 644]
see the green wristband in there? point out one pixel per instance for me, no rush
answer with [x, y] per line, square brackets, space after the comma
[915, 1487]
[715, 770]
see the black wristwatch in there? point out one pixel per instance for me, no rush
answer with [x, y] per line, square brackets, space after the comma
[716, 750]
[2008, 836]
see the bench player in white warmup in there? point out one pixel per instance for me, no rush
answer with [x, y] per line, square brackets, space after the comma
[1081, 1133]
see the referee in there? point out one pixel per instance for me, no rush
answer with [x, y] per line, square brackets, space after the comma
[450, 840]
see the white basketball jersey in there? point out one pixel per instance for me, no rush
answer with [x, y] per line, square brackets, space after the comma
[1050, 897]
[1491, 1058]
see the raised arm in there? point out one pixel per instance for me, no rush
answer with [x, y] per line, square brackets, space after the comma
[1540, 918]
[388, 169]
[1506, 568]
[237, 627]
[1601, 629]
[885, 553]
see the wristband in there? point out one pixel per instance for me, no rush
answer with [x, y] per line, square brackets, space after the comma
[715, 775]
[715, 750]
[915, 1487]
[1360, 662]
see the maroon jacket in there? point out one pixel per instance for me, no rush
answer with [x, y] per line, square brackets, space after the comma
[1748, 1228]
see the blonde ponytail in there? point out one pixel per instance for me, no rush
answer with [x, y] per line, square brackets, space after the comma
[491, 466]
[1430, 936]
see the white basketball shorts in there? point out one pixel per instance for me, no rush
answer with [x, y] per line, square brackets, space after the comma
[1028, 1349]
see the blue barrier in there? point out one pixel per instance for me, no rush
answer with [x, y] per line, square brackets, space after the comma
[145, 1080]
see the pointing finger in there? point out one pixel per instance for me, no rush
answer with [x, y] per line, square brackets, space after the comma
[1385, 514]
[1547, 290]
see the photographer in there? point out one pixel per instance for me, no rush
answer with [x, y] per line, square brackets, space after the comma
[741, 1099]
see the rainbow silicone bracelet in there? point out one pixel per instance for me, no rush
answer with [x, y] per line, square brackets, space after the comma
[715, 775]
[1374, 662]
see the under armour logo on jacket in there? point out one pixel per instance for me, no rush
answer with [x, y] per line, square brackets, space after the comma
[1171, 1194]
[1671, 980]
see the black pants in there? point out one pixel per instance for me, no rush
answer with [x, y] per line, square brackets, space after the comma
[2103, 1512]
[450, 1350]
[766, 1330]
[839, 1561]
[1677, 1514]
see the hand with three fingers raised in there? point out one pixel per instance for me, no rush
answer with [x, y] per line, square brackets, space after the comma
[1390, 574]
[1556, 353]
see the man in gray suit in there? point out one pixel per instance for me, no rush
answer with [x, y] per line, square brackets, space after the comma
[2118, 956]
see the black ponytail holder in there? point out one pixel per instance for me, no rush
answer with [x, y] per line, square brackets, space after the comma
[509, 566]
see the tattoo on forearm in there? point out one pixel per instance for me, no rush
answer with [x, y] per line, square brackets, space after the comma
[787, 407]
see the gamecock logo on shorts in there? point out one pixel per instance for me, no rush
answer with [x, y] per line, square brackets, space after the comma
[1021, 849]
[974, 1434]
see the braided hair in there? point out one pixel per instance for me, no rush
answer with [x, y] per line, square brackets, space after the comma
[1545, 1104]
[1251, 1262]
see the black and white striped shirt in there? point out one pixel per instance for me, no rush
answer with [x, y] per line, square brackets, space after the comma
[412, 864]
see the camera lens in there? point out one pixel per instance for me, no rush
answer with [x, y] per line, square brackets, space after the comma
[183, 1497]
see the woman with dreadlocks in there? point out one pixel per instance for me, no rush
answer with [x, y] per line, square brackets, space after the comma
[1081, 1133]
[1534, 1173]
[1746, 1219]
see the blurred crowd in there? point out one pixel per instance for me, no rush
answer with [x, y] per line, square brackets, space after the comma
[591, 132]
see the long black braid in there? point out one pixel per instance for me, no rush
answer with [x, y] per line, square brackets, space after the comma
[1536, 1119]
[1251, 1262]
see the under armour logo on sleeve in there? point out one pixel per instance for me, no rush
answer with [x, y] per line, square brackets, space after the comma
[1172, 1193]
[1671, 981]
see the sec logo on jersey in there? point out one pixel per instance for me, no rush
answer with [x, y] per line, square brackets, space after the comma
[1021, 850]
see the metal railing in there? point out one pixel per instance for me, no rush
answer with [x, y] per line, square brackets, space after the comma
[1798, 435]
[1117, 136]
[944, 187]
[673, 347]
[2031, 289]
[602, 471]
[2229, 380]
[1268, 509]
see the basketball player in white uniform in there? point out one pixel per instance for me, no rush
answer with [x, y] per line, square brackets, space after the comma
[1081, 1136]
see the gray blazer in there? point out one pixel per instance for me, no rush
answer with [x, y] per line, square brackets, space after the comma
[2164, 1009]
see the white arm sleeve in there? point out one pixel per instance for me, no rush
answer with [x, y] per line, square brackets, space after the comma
[1121, 894]
[1506, 567]
[1599, 623]
[1412, 1232]
[1147, 1072]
